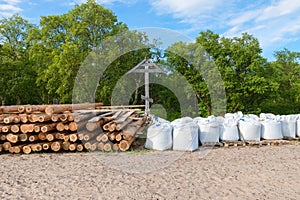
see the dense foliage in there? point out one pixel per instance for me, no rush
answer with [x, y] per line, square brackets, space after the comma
[39, 63]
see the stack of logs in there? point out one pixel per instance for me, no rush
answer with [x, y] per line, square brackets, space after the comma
[69, 127]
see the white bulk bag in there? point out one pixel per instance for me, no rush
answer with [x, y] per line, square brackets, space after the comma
[159, 136]
[229, 131]
[298, 128]
[185, 134]
[271, 129]
[250, 128]
[288, 125]
[209, 129]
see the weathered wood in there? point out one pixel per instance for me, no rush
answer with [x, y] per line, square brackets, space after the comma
[87, 145]
[89, 136]
[123, 124]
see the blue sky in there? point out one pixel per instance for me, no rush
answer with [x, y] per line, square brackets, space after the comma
[276, 23]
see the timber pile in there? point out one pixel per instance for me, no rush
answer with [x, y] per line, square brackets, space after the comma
[68, 127]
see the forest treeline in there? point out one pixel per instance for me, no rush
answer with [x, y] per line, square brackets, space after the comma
[40, 62]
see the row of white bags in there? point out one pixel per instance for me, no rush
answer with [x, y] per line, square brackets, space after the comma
[185, 133]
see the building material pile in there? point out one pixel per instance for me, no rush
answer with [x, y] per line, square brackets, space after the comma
[69, 127]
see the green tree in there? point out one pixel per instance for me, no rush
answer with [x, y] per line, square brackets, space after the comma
[17, 77]
[61, 43]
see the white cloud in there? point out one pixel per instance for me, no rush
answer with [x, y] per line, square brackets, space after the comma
[283, 7]
[9, 7]
[274, 22]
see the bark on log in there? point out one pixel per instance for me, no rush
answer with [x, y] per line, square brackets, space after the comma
[33, 138]
[35, 108]
[48, 127]
[60, 108]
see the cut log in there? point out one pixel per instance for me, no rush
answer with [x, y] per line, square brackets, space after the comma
[79, 147]
[67, 127]
[118, 137]
[100, 146]
[9, 119]
[2, 137]
[92, 126]
[60, 108]
[33, 138]
[12, 138]
[56, 146]
[1, 147]
[48, 127]
[70, 117]
[15, 128]
[72, 147]
[115, 147]
[21, 109]
[50, 137]
[60, 126]
[23, 118]
[44, 118]
[42, 136]
[27, 128]
[73, 137]
[123, 124]
[10, 109]
[66, 145]
[6, 146]
[46, 146]
[73, 126]
[87, 145]
[35, 108]
[66, 138]
[55, 117]
[104, 138]
[23, 137]
[63, 117]
[94, 146]
[5, 129]
[89, 136]
[99, 137]
[107, 147]
[26, 149]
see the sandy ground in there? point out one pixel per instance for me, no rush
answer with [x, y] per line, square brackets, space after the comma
[269, 172]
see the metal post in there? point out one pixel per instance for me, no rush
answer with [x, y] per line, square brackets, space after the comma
[147, 97]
